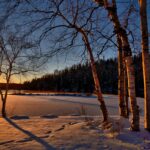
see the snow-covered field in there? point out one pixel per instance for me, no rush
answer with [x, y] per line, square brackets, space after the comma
[75, 124]
[61, 105]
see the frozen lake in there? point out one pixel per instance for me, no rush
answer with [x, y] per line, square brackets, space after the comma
[61, 105]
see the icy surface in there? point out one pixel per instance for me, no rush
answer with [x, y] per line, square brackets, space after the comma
[61, 105]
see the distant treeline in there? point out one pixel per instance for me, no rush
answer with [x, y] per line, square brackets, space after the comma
[78, 78]
[12, 86]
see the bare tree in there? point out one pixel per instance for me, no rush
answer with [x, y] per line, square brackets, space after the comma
[122, 74]
[14, 60]
[75, 23]
[121, 32]
[145, 61]
[122, 106]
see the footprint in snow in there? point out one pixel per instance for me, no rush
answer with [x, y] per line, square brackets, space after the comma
[19, 117]
[49, 116]
[59, 129]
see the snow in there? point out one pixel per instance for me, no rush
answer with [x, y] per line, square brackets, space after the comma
[68, 125]
[61, 105]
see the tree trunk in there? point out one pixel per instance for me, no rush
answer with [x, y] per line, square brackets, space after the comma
[112, 12]
[132, 96]
[4, 99]
[95, 77]
[4, 108]
[122, 106]
[126, 92]
[131, 79]
[145, 62]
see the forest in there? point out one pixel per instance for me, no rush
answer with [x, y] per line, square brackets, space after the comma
[78, 78]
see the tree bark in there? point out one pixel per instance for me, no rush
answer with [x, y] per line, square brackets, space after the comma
[4, 97]
[126, 92]
[121, 32]
[4, 108]
[132, 96]
[122, 106]
[145, 62]
[95, 77]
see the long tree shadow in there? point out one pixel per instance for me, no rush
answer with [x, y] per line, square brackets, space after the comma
[31, 135]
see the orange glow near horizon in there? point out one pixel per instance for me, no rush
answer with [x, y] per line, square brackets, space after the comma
[16, 79]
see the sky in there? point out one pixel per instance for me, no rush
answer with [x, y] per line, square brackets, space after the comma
[69, 57]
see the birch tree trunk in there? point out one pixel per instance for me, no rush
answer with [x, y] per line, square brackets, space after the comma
[122, 106]
[126, 92]
[95, 77]
[121, 32]
[145, 62]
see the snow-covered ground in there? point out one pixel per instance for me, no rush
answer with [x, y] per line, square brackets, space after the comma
[34, 129]
[61, 105]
